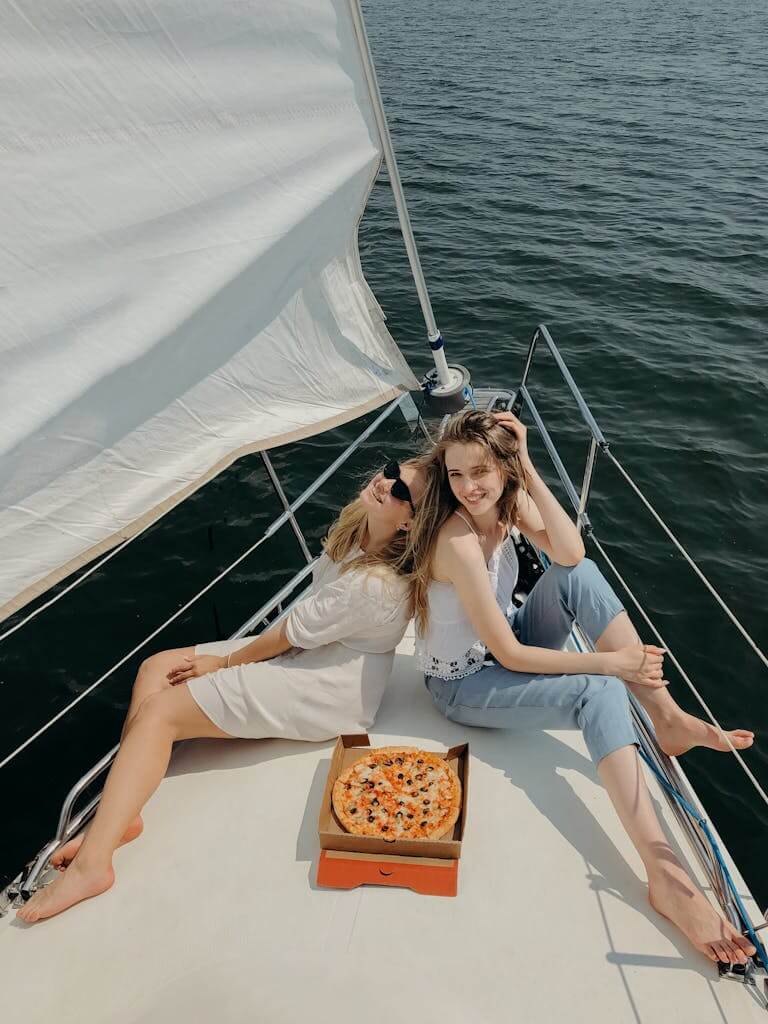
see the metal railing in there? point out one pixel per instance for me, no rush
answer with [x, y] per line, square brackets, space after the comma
[579, 499]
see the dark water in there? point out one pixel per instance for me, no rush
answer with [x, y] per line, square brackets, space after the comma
[599, 167]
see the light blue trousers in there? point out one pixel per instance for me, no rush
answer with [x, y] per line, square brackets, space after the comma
[496, 698]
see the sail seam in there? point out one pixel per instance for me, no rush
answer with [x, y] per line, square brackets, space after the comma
[223, 122]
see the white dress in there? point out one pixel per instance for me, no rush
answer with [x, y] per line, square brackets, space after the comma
[343, 637]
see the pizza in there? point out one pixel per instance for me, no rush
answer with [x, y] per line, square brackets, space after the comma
[398, 793]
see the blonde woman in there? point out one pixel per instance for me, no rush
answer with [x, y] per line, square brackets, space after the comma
[322, 671]
[488, 664]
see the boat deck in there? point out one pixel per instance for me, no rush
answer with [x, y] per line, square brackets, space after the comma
[216, 916]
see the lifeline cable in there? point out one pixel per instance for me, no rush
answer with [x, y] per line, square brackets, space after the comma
[683, 674]
[761, 655]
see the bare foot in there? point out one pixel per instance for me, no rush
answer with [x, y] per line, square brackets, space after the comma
[677, 736]
[74, 885]
[65, 854]
[672, 894]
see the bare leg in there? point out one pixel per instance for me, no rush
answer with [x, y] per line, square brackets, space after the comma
[152, 678]
[676, 730]
[138, 770]
[670, 891]
[66, 853]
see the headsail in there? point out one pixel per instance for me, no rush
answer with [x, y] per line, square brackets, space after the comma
[181, 281]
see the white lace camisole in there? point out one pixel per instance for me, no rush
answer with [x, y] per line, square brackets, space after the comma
[450, 648]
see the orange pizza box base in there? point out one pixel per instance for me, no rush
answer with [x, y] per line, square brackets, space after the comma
[426, 875]
[424, 865]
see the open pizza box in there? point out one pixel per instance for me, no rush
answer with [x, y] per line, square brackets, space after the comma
[424, 865]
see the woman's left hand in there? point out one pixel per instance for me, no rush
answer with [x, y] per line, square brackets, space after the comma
[510, 422]
[197, 665]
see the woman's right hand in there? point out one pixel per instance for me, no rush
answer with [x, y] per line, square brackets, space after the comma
[641, 665]
[194, 667]
[519, 431]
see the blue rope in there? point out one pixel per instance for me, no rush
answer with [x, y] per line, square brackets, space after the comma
[704, 826]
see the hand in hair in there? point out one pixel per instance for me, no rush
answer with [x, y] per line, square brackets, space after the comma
[511, 423]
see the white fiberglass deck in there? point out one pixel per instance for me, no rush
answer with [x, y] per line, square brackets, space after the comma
[216, 916]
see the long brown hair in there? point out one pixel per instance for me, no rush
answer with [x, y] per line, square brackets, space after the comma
[439, 502]
[349, 532]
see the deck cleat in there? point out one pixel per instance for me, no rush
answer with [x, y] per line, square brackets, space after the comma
[752, 973]
[11, 896]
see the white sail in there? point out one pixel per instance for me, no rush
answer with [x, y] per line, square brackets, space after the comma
[182, 184]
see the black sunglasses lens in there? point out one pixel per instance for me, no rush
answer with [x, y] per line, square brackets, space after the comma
[400, 491]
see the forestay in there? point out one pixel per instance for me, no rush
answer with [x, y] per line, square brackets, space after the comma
[182, 186]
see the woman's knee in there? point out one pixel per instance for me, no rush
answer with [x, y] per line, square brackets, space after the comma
[155, 663]
[153, 671]
[585, 575]
[156, 711]
[148, 669]
[608, 695]
[606, 692]
[149, 680]
[613, 690]
[585, 570]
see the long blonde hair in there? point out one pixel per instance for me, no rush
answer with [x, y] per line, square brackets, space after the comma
[439, 502]
[349, 532]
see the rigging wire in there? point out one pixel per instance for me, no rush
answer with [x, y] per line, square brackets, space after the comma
[684, 675]
[80, 578]
[687, 557]
[138, 647]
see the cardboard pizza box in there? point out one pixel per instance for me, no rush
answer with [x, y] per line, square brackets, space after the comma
[426, 865]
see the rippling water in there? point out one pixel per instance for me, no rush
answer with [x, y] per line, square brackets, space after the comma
[601, 168]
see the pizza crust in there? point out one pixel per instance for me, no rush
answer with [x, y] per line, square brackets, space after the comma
[398, 793]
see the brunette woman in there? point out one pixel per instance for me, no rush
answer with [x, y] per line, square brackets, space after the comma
[490, 664]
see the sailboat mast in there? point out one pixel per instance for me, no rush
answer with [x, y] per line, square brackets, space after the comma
[450, 378]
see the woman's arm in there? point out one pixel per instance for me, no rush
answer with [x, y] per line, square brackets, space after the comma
[459, 558]
[542, 518]
[267, 645]
[544, 521]
[356, 601]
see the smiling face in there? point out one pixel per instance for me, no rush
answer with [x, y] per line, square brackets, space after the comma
[474, 477]
[386, 513]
